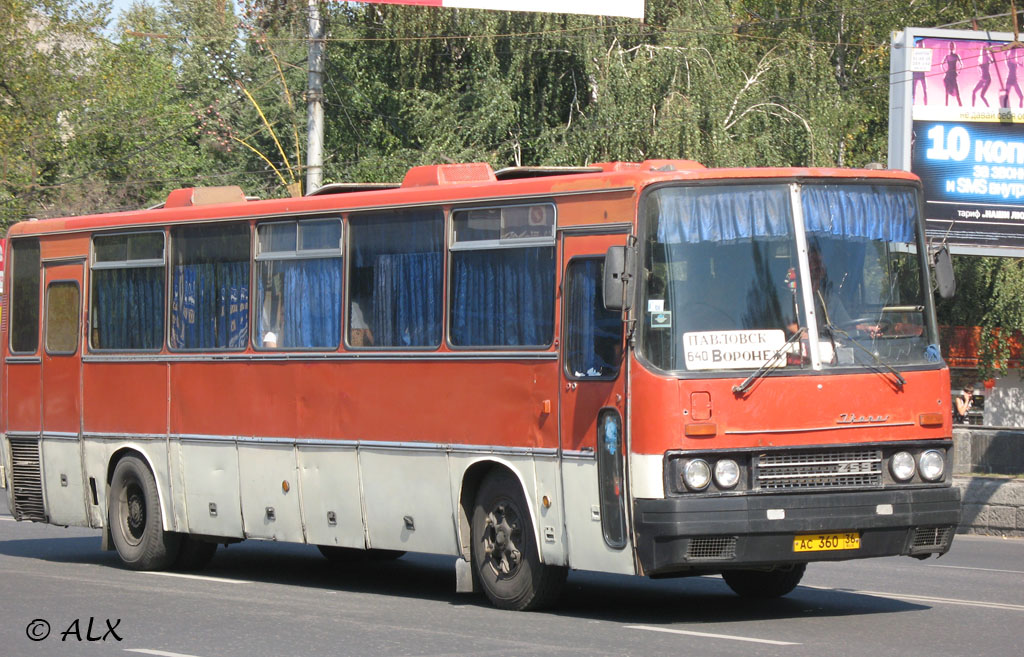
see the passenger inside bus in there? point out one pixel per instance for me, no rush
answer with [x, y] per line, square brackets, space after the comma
[272, 315]
[361, 335]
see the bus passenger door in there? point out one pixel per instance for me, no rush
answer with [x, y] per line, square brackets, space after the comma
[61, 391]
[592, 412]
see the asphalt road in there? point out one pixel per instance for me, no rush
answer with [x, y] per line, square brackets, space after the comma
[260, 598]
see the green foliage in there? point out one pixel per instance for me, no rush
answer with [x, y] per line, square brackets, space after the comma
[990, 294]
[97, 121]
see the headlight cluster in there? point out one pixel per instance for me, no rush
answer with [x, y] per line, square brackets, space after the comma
[698, 474]
[930, 465]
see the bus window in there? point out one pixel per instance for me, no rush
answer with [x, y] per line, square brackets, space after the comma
[25, 296]
[612, 483]
[298, 278]
[62, 304]
[593, 339]
[395, 279]
[210, 287]
[127, 292]
[503, 276]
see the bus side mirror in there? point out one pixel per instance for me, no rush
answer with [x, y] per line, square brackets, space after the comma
[944, 277]
[619, 277]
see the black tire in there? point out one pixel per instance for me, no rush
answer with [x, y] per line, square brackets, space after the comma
[764, 584]
[347, 555]
[505, 558]
[133, 515]
[194, 554]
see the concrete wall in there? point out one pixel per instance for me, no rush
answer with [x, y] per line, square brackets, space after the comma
[988, 450]
[992, 506]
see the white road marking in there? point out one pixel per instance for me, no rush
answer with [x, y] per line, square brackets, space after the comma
[709, 635]
[159, 653]
[987, 570]
[8, 518]
[202, 577]
[907, 597]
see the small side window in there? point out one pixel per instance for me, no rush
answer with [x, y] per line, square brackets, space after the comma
[63, 303]
[612, 483]
[25, 296]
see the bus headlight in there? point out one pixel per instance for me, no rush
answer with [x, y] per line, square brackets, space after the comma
[697, 474]
[902, 466]
[932, 465]
[727, 473]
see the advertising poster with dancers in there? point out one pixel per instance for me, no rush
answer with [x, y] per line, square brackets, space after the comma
[966, 138]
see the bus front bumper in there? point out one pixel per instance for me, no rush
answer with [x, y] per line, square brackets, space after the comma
[711, 534]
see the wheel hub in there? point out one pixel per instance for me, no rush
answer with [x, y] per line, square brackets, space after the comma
[500, 540]
[134, 514]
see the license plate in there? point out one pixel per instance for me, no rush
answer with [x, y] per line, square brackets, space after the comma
[821, 542]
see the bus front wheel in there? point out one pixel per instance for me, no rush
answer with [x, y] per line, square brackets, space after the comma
[764, 583]
[133, 515]
[505, 557]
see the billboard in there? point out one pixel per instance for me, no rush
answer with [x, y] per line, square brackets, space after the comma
[956, 119]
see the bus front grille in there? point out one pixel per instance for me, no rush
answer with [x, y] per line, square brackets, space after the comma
[27, 479]
[783, 471]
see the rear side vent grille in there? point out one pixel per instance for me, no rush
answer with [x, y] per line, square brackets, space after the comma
[711, 548]
[27, 479]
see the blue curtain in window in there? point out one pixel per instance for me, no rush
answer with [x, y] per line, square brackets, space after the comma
[594, 334]
[873, 212]
[397, 256]
[129, 308]
[210, 306]
[503, 297]
[312, 303]
[407, 300]
[582, 329]
[689, 215]
[406, 232]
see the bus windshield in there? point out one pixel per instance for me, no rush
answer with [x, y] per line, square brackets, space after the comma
[728, 282]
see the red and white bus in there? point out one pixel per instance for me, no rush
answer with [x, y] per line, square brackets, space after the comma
[648, 368]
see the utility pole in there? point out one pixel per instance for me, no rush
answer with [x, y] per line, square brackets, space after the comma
[314, 100]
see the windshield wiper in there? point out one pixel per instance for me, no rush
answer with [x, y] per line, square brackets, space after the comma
[768, 364]
[899, 377]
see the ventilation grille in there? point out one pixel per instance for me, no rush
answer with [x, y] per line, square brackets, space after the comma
[861, 468]
[931, 537]
[711, 548]
[27, 479]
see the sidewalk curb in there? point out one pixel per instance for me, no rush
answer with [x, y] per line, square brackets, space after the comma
[992, 506]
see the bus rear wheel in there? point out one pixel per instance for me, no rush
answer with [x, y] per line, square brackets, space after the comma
[505, 557]
[133, 516]
[764, 584]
